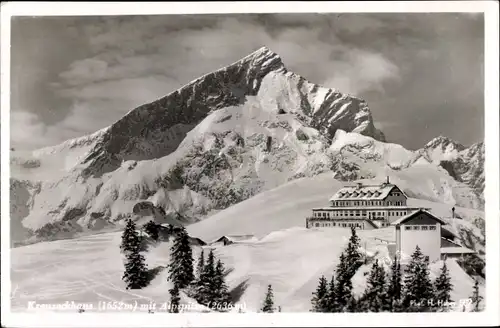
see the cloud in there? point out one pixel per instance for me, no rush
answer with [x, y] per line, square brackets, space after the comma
[95, 69]
[130, 61]
[27, 131]
[139, 60]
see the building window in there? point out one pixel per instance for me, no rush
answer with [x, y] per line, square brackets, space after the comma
[317, 224]
[334, 224]
[416, 227]
[425, 228]
[432, 227]
[407, 228]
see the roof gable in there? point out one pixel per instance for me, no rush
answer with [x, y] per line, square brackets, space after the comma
[414, 214]
[398, 189]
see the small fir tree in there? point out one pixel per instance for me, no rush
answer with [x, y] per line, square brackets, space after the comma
[174, 299]
[418, 290]
[395, 286]
[319, 300]
[332, 296]
[268, 306]
[200, 265]
[220, 290]
[375, 296]
[136, 272]
[354, 258]
[181, 260]
[476, 297]
[343, 290]
[152, 229]
[130, 238]
[205, 285]
[443, 287]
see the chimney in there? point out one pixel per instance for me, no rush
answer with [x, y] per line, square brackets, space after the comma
[453, 212]
[388, 180]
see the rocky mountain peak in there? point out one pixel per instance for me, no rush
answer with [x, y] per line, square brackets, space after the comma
[443, 143]
[156, 129]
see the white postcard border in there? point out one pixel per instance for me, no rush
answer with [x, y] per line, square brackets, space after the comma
[487, 317]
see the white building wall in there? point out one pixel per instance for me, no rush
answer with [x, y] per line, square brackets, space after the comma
[429, 242]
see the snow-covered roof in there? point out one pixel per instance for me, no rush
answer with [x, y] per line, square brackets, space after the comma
[365, 192]
[456, 250]
[235, 237]
[451, 242]
[405, 218]
[449, 232]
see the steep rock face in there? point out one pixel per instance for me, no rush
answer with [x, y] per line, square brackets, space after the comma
[357, 157]
[463, 164]
[156, 129]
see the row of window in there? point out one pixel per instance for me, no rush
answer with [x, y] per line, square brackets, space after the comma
[367, 203]
[341, 225]
[358, 213]
[397, 213]
[420, 227]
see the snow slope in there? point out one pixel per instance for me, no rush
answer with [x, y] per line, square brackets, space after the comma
[289, 205]
[89, 269]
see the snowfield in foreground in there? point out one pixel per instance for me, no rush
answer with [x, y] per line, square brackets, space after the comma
[89, 269]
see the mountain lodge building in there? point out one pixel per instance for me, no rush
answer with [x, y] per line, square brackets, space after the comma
[378, 206]
[363, 207]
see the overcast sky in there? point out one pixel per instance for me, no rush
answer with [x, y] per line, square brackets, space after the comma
[421, 74]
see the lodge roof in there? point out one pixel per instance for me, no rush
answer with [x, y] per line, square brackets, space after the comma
[365, 192]
[408, 217]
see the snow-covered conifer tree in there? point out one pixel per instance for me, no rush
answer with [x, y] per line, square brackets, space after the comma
[136, 272]
[418, 295]
[443, 286]
[331, 296]
[152, 229]
[268, 305]
[174, 299]
[130, 238]
[220, 290]
[476, 297]
[375, 295]
[319, 300]
[395, 286]
[343, 290]
[206, 282]
[354, 258]
[181, 260]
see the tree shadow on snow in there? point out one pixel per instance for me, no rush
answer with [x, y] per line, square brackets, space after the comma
[228, 271]
[152, 273]
[371, 259]
[238, 291]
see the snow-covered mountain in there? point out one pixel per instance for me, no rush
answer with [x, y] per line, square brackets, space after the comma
[463, 164]
[249, 127]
